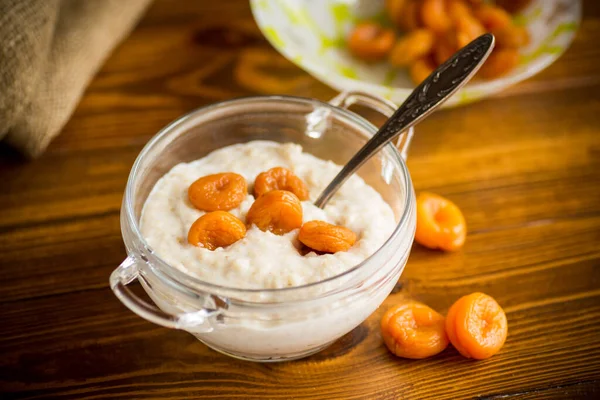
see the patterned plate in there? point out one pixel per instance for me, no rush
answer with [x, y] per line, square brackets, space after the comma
[311, 33]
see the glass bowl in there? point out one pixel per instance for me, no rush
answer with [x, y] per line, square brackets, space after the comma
[273, 324]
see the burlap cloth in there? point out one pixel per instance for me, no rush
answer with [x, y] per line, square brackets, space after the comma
[49, 51]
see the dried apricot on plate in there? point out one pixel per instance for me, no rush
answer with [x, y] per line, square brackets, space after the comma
[413, 330]
[435, 15]
[216, 229]
[411, 47]
[444, 48]
[440, 223]
[513, 6]
[280, 178]
[218, 192]
[325, 237]
[278, 211]
[395, 9]
[499, 63]
[371, 42]
[457, 10]
[467, 30]
[477, 326]
[421, 69]
[493, 17]
[410, 19]
[512, 37]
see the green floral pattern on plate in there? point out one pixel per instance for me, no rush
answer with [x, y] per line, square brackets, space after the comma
[312, 35]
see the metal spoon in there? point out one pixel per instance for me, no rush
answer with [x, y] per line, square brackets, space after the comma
[431, 93]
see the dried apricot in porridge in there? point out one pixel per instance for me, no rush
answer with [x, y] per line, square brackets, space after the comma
[278, 211]
[222, 191]
[477, 326]
[440, 223]
[261, 259]
[280, 178]
[414, 330]
[216, 229]
[325, 237]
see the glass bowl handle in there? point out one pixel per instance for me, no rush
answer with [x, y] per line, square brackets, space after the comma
[381, 105]
[127, 272]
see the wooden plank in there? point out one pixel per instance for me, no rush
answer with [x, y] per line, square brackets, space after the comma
[524, 166]
[104, 350]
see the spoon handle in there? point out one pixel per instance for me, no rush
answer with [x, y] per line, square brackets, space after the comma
[432, 92]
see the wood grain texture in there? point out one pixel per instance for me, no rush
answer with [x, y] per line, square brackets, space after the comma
[524, 166]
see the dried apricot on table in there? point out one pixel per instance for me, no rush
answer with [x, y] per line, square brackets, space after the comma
[414, 330]
[477, 326]
[370, 41]
[325, 237]
[218, 192]
[280, 178]
[216, 229]
[278, 211]
[411, 47]
[440, 223]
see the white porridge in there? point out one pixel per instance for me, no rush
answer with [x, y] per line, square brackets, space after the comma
[262, 259]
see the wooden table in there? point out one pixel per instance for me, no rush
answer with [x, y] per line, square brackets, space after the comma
[524, 166]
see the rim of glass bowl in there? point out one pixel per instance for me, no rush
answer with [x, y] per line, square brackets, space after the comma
[182, 277]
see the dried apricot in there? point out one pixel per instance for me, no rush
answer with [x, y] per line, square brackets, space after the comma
[412, 46]
[467, 30]
[370, 41]
[421, 69]
[500, 62]
[457, 10]
[280, 178]
[440, 223]
[410, 18]
[513, 6]
[394, 9]
[512, 37]
[218, 192]
[435, 16]
[325, 237]
[492, 18]
[413, 330]
[444, 48]
[450, 327]
[278, 211]
[216, 229]
[477, 326]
